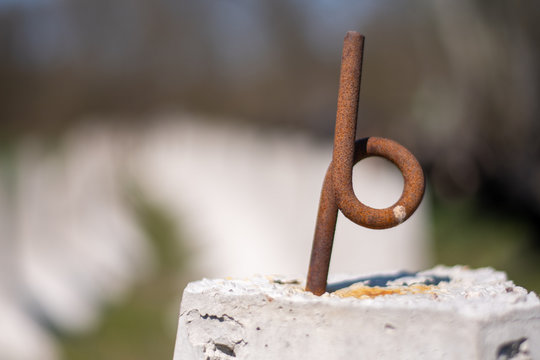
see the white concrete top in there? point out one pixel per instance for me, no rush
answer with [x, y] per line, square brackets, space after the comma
[475, 293]
[441, 313]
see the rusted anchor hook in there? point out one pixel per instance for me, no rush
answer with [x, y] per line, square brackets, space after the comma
[337, 193]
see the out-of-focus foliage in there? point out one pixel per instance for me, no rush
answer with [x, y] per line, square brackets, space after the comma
[465, 233]
[457, 82]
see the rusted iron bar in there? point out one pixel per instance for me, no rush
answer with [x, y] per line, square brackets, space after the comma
[337, 192]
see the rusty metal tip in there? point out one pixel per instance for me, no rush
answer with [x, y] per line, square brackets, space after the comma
[337, 193]
[354, 34]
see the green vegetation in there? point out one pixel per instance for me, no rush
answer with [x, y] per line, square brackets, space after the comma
[465, 233]
[143, 326]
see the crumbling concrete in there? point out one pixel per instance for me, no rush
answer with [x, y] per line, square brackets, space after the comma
[442, 313]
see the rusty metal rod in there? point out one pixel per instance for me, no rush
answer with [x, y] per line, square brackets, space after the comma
[337, 192]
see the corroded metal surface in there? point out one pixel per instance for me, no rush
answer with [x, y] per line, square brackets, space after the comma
[337, 192]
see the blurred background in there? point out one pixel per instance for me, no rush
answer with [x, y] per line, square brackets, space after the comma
[145, 144]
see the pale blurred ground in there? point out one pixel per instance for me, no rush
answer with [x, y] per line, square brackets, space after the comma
[250, 199]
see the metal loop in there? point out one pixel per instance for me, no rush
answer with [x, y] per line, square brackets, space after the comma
[337, 193]
[411, 196]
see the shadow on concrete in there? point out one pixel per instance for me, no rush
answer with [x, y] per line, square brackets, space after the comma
[382, 280]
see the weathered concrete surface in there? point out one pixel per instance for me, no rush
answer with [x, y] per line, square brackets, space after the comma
[442, 313]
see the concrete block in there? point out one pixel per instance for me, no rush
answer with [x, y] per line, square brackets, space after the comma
[441, 313]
